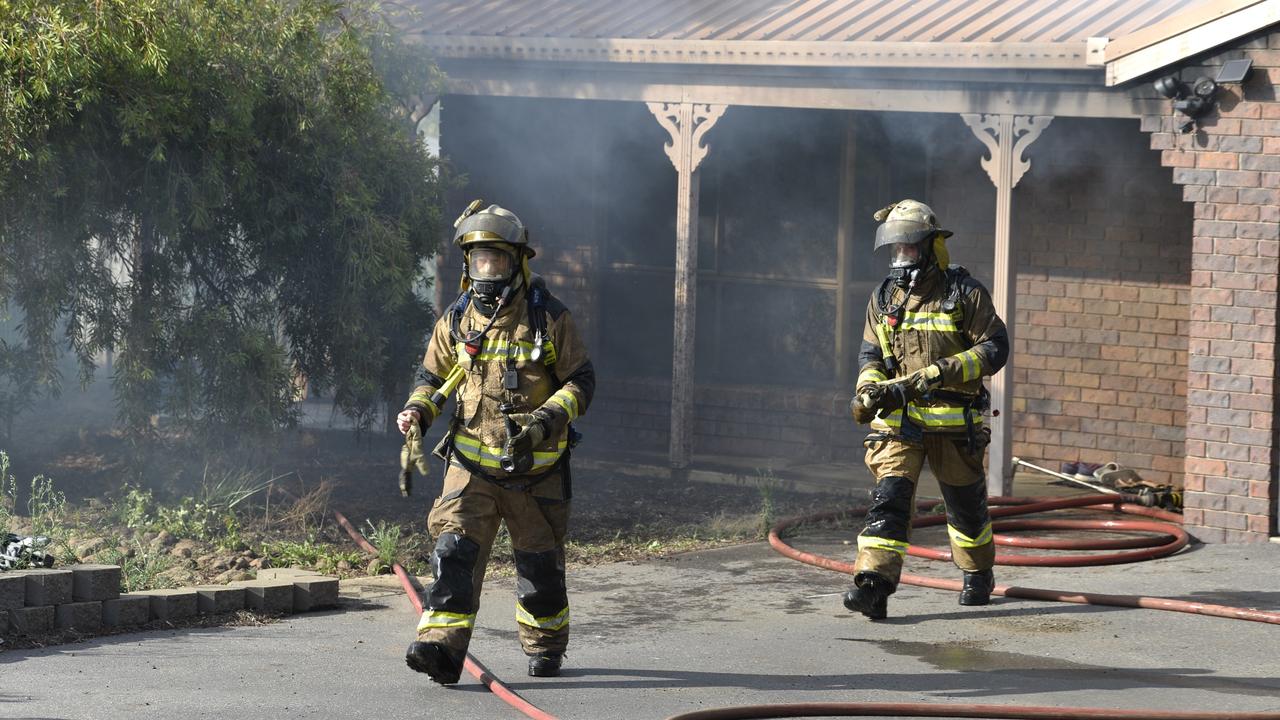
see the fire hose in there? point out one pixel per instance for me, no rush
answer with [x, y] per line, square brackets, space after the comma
[1166, 538]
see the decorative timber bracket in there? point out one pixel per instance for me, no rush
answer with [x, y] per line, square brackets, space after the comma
[687, 124]
[1007, 138]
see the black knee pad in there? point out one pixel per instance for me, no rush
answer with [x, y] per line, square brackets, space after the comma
[540, 582]
[890, 513]
[966, 507]
[454, 564]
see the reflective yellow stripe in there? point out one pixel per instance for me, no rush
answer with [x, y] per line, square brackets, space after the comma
[871, 542]
[554, 622]
[929, 417]
[441, 619]
[871, 375]
[487, 455]
[422, 396]
[972, 365]
[959, 539]
[565, 400]
[929, 321]
[494, 349]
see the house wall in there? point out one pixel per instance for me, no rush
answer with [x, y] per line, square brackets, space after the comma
[1103, 252]
[1229, 171]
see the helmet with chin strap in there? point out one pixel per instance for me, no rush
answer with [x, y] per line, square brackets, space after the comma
[495, 246]
[911, 230]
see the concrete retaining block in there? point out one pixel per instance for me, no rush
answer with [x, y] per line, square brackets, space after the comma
[85, 617]
[126, 610]
[273, 597]
[95, 582]
[31, 620]
[286, 573]
[13, 589]
[48, 586]
[219, 599]
[172, 604]
[311, 593]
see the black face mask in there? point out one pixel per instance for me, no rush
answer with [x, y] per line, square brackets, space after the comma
[486, 293]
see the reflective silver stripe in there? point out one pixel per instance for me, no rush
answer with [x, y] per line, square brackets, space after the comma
[972, 365]
[959, 539]
[871, 375]
[871, 542]
[554, 622]
[565, 400]
[929, 321]
[945, 416]
[441, 619]
[487, 455]
[493, 349]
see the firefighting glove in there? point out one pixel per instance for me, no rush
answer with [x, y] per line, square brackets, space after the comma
[919, 383]
[862, 414]
[882, 397]
[412, 457]
[533, 430]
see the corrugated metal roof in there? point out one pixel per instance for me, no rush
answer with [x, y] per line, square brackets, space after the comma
[881, 21]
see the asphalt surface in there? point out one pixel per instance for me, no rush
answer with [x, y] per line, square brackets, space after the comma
[733, 626]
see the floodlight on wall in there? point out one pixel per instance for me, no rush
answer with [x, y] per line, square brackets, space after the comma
[1196, 100]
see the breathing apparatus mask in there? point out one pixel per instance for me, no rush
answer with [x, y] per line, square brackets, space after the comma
[495, 245]
[910, 230]
[491, 271]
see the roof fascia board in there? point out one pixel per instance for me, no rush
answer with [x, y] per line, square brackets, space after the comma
[726, 86]
[1039, 56]
[1179, 23]
[1193, 41]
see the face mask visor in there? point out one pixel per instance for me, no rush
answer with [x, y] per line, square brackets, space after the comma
[904, 255]
[487, 264]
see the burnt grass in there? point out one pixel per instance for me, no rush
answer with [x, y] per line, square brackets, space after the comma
[310, 473]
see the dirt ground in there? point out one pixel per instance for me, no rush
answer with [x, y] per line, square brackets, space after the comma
[615, 516]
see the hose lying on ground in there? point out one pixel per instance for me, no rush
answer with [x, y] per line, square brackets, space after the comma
[1166, 538]
[471, 665]
[1019, 506]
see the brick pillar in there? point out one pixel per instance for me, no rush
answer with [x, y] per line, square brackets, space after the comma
[1231, 172]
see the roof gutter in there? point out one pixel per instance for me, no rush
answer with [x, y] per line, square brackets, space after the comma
[1003, 56]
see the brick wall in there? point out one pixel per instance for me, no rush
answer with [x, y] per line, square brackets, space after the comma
[1230, 172]
[733, 420]
[1103, 247]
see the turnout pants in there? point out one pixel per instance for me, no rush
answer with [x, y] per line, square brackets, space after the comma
[464, 520]
[896, 465]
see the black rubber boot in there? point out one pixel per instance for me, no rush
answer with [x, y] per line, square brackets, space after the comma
[442, 664]
[869, 596]
[977, 588]
[545, 664]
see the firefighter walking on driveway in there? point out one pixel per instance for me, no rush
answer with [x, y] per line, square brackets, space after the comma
[525, 377]
[932, 334]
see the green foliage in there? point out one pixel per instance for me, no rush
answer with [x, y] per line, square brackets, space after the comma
[47, 508]
[141, 567]
[8, 493]
[386, 539]
[766, 484]
[308, 554]
[226, 193]
[210, 515]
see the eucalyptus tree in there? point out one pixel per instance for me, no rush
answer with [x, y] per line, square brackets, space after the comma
[225, 194]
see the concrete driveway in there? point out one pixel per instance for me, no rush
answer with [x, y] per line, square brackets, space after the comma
[733, 626]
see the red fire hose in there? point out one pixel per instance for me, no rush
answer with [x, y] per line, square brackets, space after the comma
[1165, 539]
[471, 665]
[1019, 506]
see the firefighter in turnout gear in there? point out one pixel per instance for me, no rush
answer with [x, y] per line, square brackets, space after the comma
[527, 377]
[932, 334]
